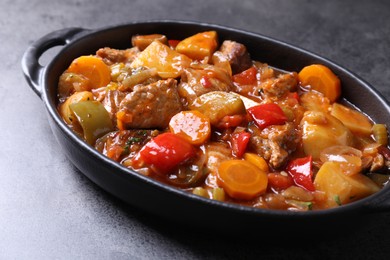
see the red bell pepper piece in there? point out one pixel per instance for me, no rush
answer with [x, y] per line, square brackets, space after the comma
[165, 152]
[301, 171]
[279, 182]
[239, 143]
[247, 77]
[267, 114]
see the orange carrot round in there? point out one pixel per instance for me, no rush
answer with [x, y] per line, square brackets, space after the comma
[241, 179]
[192, 126]
[93, 68]
[257, 161]
[321, 79]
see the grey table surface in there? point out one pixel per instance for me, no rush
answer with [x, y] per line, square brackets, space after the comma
[49, 210]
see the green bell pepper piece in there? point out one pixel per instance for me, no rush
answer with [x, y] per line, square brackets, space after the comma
[93, 118]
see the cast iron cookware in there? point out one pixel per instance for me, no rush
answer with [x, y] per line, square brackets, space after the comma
[171, 203]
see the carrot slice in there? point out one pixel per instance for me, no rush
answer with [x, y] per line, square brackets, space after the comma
[257, 161]
[241, 179]
[192, 126]
[321, 79]
[93, 68]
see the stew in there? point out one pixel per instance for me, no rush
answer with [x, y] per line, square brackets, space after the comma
[204, 117]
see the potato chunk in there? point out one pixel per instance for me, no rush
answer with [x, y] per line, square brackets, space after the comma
[218, 104]
[356, 121]
[168, 63]
[199, 46]
[339, 188]
[321, 130]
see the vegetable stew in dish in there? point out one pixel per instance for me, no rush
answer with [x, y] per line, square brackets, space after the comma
[202, 116]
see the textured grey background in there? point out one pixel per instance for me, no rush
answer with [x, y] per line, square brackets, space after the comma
[49, 210]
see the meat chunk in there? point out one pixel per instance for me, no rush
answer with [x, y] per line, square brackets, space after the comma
[151, 106]
[111, 102]
[111, 56]
[143, 41]
[279, 86]
[275, 143]
[196, 82]
[237, 55]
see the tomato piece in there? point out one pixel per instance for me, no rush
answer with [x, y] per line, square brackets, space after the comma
[279, 181]
[239, 143]
[247, 77]
[165, 152]
[267, 114]
[301, 171]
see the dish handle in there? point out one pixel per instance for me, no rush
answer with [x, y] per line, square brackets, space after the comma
[31, 67]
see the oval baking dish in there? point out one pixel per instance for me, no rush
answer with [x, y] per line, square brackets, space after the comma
[169, 202]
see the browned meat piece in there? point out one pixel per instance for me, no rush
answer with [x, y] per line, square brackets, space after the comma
[151, 106]
[196, 82]
[99, 93]
[143, 41]
[111, 102]
[279, 86]
[275, 143]
[237, 55]
[111, 56]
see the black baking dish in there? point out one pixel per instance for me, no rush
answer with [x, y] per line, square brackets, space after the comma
[169, 202]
